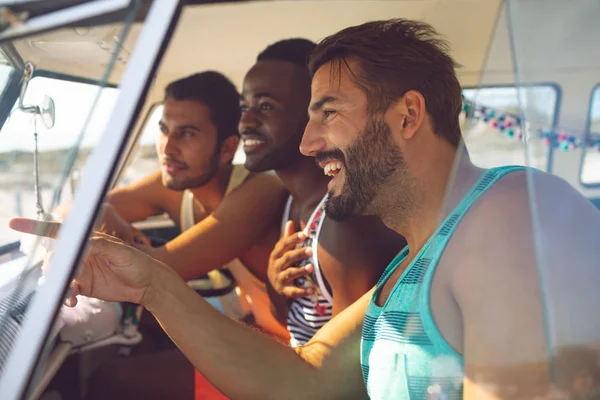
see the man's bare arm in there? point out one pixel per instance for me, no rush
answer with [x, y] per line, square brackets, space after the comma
[242, 218]
[241, 362]
[139, 200]
[528, 292]
[246, 364]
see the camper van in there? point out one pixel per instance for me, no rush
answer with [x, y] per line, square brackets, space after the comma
[82, 81]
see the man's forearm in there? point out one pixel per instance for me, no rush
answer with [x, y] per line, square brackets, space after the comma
[241, 362]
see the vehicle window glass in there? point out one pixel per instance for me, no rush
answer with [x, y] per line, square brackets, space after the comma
[590, 167]
[73, 101]
[68, 94]
[490, 143]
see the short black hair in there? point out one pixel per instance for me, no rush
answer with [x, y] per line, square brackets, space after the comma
[215, 91]
[295, 50]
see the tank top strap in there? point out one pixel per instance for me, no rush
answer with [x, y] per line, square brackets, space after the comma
[186, 211]
[318, 218]
[286, 213]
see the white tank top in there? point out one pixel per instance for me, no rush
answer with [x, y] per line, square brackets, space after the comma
[251, 293]
[306, 315]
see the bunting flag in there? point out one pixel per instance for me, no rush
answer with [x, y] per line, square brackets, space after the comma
[510, 125]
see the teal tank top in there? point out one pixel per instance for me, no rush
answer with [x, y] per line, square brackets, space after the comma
[403, 354]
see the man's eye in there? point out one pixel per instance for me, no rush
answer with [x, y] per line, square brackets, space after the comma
[244, 107]
[328, 112]
[266, 106]
[187, 134]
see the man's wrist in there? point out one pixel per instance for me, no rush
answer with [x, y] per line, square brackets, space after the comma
[163, 280]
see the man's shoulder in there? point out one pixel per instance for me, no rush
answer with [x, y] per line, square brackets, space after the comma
[256, 188]
[241, 177]
[526, 193]
[524, 215]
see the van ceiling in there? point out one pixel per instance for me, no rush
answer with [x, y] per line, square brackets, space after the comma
[228, 37]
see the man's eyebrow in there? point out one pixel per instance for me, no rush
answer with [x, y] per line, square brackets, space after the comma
[188, 126]
[258, 95]
[317, 105]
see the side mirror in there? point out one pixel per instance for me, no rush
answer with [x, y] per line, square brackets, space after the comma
[48, 112]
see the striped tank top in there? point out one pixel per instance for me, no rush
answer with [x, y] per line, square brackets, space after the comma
[306, 315]
[403, 354]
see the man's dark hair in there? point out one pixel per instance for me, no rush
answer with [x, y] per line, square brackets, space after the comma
[396, 56]
[217, 93]
[296, 51]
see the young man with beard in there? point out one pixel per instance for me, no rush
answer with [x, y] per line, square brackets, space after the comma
[339, 261]
[463, 311]
[352, 254]
[227, 215]
[200, 189]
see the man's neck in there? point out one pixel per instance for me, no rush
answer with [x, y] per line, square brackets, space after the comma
[212, 193]
[449, 175]
[305, 181]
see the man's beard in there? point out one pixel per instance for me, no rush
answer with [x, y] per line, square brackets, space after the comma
[189, 182]
[368, 165]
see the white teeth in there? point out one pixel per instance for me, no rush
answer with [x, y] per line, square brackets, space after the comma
[332, 168]
[252, 142]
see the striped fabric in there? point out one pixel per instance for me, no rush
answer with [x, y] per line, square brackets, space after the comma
[306, 315]
[403, 354]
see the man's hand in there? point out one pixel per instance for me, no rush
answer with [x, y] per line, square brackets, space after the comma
[113, 224]
[281, 272]
[112, 270]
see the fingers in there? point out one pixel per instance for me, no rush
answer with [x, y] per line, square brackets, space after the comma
[285, 282]
[294, 292]
[293, 256]
[288, 276]
[290, 228]
[35, 227]
[72, 293]
[287, 243]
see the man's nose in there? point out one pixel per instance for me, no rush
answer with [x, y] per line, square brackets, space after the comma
[170, 146]
[313, 140]
[248, 119]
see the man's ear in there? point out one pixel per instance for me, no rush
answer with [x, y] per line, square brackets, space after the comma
[228, 148]
[407, 114]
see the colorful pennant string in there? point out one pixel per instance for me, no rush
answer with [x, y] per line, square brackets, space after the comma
[510, 125]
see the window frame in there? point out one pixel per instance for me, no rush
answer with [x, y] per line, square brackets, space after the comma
[586, 136]
[556, 112]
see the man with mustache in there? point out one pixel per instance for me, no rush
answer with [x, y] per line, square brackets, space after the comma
[200, 189]
[463, 311]
[351, 254]
[228, 217]
[327, 257]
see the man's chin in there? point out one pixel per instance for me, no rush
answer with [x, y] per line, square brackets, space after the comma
[256, 164]
[339, 207]
[172, 184]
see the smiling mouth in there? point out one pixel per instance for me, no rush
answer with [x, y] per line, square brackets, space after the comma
[332, 168]
[251, 144]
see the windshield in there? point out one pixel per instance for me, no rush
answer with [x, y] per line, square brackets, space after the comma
[73, 102]
[71, 76]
